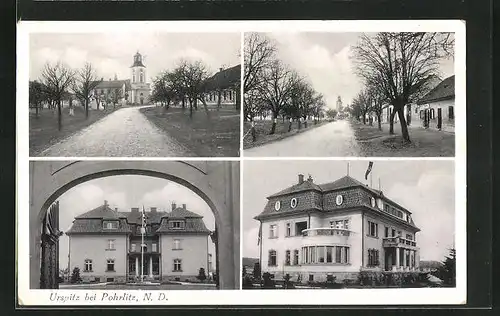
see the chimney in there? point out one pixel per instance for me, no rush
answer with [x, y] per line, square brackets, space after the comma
[116, 209]
[184, 206]
[301, 178]
[310, 179]
[220, 69]
[174, 206]
[153, 209]
[135, 210]
[105, 202]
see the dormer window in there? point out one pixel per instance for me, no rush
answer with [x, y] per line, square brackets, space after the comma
[110, 225]
[177, 224]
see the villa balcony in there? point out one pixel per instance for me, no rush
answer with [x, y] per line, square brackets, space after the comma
[393, 242]
[328, 235]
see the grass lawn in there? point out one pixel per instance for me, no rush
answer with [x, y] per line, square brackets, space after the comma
[424, 142]
[214, 135]
[263, 127]
[43, 131]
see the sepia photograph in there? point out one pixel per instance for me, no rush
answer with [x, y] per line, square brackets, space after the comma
[149, 225]
[320, 94]
[349, 225]
[134, 94]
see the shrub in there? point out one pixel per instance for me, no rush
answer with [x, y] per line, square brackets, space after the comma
[75, 276]
[201, 275]
[268, 281]
[247, 282]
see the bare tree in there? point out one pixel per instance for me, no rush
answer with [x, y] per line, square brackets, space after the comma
[84, 84]
[57, 78]
[402, 64]
[258, 55]
[276, 89]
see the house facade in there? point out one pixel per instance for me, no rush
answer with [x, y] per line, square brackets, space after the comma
[105, 244]
[340, 228]
[110, 91]
[223, 88]
[436, 109]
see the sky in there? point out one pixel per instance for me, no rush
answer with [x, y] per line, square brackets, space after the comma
[112, 53]
[324, 59]
[125, 192]
[425, 188]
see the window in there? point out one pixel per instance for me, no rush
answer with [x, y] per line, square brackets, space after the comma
[110, 225]
[432, 114]
[133, 247]
[329, 253]
[399, 233]
[111, 244]
[142, 75]
[177, 265]
[87, 266]
[338, 254]
[393, 232]
[154, 248]
[386, 232]
[321, 254]
[288, 231]
[177, 224]
[373, 257]
[287, 258]
[312, 254]
[272, 258]
[295, 257]
[409, 237]
[311, 277]
[372, 229]
[177, 244]
[299, 227]
[342, 224]
[305, 255]
[110, 265]
[273, 231]
[451, 113]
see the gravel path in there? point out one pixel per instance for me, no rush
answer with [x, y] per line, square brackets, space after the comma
[124, 133]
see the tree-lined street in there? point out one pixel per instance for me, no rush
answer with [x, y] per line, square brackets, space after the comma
[335, 139]
[124, 133]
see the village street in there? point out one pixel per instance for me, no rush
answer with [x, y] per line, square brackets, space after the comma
[334, 139]
[124, 133]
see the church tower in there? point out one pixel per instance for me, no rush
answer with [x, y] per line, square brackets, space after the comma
[138, 81]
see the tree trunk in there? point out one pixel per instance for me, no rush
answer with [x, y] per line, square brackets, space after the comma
[391, 123]
[299, 123]
[305, 122]
[273, 127]
[379, 116]
[404, 126]
[86, 108]
[183, 103]
[36, 110]
[364, 119]
[59, 115]
[190, 108]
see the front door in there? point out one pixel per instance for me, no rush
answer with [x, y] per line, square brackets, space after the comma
[49, 266]
[440, 119]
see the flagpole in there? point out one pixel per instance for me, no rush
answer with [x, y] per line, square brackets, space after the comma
[371, 176]
[347, 168]
[142, 245]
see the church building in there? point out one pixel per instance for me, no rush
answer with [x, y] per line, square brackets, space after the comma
[140, 87]
[310, 231]
[106, 245]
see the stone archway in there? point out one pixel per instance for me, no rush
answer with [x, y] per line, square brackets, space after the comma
[216, 182]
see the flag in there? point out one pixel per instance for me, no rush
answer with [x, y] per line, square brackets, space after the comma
[260, 234]
[370, 165]
[143, 220]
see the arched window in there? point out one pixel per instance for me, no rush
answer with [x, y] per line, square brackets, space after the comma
[142, 76]
[432, 114]
[133, 75]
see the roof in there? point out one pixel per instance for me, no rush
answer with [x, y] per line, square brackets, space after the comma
[137, 61]
[346, 182]
[443, 91]
[224, 79]
[101, 212]
[299, 187]
[94, 225]
[180, 212]
[113, 84]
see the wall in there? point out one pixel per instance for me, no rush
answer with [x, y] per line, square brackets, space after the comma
[447, 124]
[193, 253]
[95, 248]
[216, 182]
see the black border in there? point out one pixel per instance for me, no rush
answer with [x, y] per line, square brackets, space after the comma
[478, 17]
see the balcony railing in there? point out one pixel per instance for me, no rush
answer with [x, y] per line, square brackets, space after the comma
[325, 231]
[398, 241]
